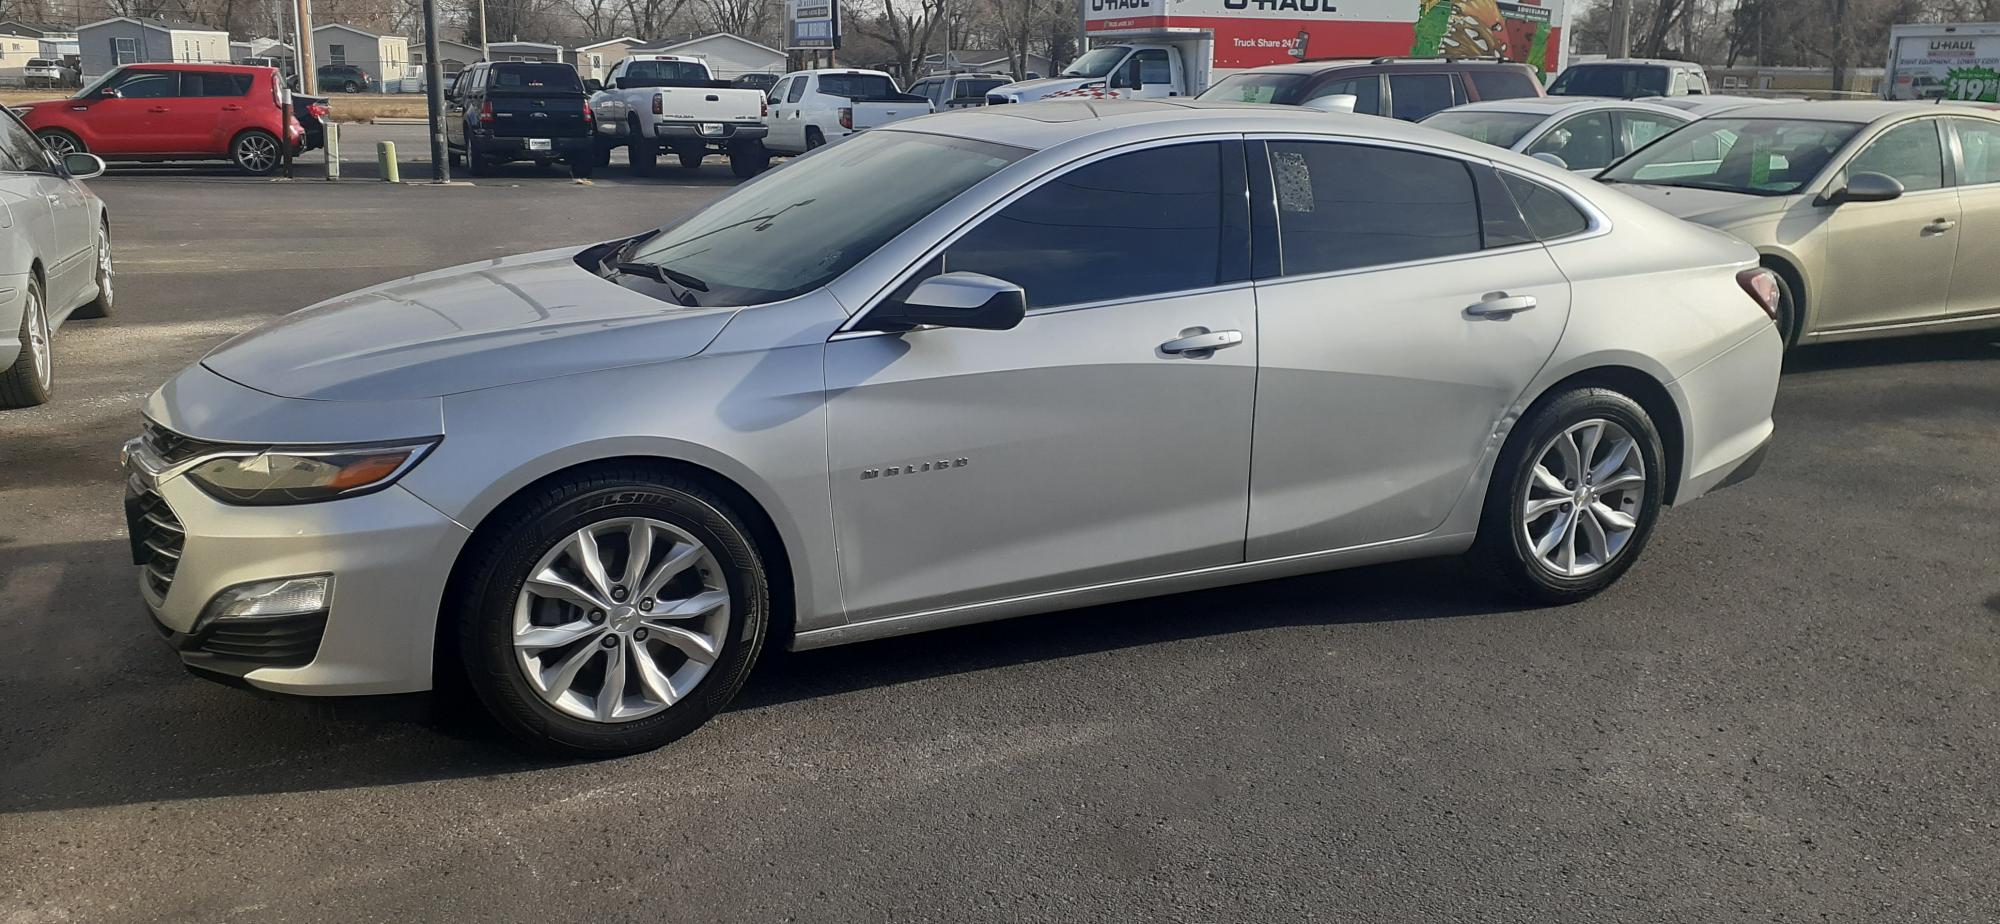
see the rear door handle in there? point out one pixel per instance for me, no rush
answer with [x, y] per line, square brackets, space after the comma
[232, 107]
[1499, 305]
[157, 109]
[1199, 342]
[1941, 225]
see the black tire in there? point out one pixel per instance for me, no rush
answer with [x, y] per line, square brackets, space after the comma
[644, 154]
[474, 164]
[583, 165]
[603, 152]
[691, 158]
[100, 307]
[61, 142]
[813, 137]
[749, 158]
[1791, 314]
[456, 159]
[351, 87]
[256, 152]
[497, 568]
[1503, 548]
[22, 384]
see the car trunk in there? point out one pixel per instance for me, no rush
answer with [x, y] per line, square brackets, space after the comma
[537, 114]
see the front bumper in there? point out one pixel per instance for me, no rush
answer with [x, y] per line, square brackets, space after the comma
[389, 555]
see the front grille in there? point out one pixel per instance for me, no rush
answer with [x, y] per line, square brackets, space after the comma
[156, 535]
[173, 448]
[278, 641]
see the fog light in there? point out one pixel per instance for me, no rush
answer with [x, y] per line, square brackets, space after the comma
[293, 596]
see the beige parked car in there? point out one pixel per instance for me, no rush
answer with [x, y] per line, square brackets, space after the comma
[1879, 217]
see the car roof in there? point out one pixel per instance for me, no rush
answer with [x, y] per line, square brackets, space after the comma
[1334, 64]
[1553, 105]
[1046, 124]
[1655, 62]
[189, 66]
[1859, 112]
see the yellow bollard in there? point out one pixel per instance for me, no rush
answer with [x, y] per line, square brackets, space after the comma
[385, 158]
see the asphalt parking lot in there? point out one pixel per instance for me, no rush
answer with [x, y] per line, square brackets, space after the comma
[1786, 712]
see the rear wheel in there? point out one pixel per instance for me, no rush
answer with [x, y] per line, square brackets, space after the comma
[31, 379]
[813, 137]
[100, 306]
[614, 611]
[255, 152]
[61, 143]
[644, 153]
[474, 165]
[352, 87]
[1574, 496]
[603, 153]
[583, 165]
[749, 158]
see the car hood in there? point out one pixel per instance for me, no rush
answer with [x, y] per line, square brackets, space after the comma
[1031, 90]
[480, 325]
[1710, 207]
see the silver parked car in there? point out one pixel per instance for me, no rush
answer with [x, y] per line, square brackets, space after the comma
[975, 365]
[1877, 216]
[55, 257]
[1578, 134]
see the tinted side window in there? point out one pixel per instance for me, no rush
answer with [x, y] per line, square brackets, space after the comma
[1154, 67]
[1500, 83]
[1414, 96]
[1979, 141]
[1136, 224]
[1910, 153]
[201, 83]
[1367, 93]
[1642, 127]
[1583, 142]
[1549, 214]
[149, 85]
[798, 89]
[1342, 206]
[20, 150]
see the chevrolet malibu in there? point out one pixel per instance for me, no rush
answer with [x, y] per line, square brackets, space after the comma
[977, 365]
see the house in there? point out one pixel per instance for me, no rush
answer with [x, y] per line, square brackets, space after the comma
[594, 59]
[525, 51]
[385, 58]
[58, 41]
[15, 53]
[727, 56]
[452, 56]
[239, 50]
[985, 61]
[107, 43]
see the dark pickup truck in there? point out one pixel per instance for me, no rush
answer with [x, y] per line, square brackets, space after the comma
[506, 111]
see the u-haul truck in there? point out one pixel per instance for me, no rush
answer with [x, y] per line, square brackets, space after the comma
[1930, 60]
[1158, 48]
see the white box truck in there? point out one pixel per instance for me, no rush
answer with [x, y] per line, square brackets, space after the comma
[1158, 48]
[1931, 60]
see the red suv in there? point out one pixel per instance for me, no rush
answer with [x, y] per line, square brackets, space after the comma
[173, 112]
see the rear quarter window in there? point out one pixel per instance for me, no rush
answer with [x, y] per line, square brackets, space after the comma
[1549, 214]
[1500, 83]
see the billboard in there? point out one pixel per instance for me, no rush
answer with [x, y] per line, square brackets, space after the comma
[1944, 65]
[814, 24]
[1253, 33]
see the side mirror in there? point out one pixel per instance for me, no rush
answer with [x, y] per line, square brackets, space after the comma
[970, 300]
[1552, 160]
[1866, 187]
[83, 166]
[1333, 102]
[593, 84]
[108, 93]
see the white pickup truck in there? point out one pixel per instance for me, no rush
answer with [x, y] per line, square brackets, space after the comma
[654, 103]
[1123, 71]
[812, 108]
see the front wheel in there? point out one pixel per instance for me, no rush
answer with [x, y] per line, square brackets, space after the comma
[255, 152]
[612, 611]
[1574, 496]
[61, 143]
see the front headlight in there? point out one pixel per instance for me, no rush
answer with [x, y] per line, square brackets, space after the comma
[282, 475]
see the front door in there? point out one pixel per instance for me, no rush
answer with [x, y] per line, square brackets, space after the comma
[1891, 262]
[1975, 279]
[135, 122]
[1398, 334]
[1072, 450]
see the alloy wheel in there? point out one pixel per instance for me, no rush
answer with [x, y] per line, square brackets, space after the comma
[40, 352]
[104, 266]
[257, 153]
[61, 145]
[621, 619]
[1586, 490]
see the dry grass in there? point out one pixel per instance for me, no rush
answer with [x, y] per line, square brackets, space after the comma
[355, 107]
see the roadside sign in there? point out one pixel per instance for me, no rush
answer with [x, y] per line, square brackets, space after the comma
[815, 24]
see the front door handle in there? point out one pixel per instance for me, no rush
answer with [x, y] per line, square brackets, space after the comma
[1499, 305]
[1940, 225]
[157, 109]
[1198, 342]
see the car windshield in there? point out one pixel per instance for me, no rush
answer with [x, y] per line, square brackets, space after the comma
[799, 227]
[1502, 129]
[975, 87]
[1759, 157]
[663, 73]
[1096, 62]
[1283, 89]
[1625, 81]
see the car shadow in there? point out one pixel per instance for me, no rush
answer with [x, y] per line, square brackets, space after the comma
[129, 727]
[1928, 348]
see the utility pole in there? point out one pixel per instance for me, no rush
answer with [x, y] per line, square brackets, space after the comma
[434, 93]
[486, 54]
[303, 54]
[1621, 28]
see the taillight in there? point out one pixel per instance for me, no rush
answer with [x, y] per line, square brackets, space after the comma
[589, 117]
[659, 99]
[318, 109]
[485, 112]
[764, 107]
[847, 118]
[1762, 284]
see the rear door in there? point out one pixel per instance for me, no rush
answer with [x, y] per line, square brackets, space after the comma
[1410, 311]
[1586, 141]
[212, 108]
[1975, 277]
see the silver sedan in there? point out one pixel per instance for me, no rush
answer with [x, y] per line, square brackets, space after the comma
[978, 365]
[1580, 134]
[55, 257]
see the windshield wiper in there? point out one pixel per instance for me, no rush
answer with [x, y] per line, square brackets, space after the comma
[659, 273]
[624, 251]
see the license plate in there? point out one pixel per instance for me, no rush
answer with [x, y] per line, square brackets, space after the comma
[711, 128]
[539, 144]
